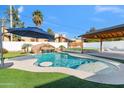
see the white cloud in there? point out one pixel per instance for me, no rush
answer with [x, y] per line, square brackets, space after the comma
[21, 9]
[19, 16]
[114, 9]
[49, 23]
[53, 19]
[98, 19]
[63, 32]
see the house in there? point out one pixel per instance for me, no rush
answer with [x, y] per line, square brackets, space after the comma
[61, 38]
[77, 43]
[6, 36]
[27, 39]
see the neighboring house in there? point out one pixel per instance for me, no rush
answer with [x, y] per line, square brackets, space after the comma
[58, 38]
[61, 38]
[27, 39]
[6, 36]
[76, 44]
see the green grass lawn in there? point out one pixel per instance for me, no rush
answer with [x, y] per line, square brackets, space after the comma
[13, 78]
[13, 54]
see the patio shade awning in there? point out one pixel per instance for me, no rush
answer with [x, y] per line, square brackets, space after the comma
[105, 33]
[33, 32]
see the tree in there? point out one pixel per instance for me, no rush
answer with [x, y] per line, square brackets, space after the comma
[50, 31]
[21, 25]
[15, 17]
[62, 48]
[37, 18]
[16, 20]
[92, 29]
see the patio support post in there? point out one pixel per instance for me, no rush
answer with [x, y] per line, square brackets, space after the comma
[101, 43]
[1, 51]
[1, 42]
[11, 22]
[82, 51]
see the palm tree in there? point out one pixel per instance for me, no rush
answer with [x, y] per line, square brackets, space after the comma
[37, 18]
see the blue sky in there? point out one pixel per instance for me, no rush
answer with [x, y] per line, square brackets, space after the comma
[72, 20]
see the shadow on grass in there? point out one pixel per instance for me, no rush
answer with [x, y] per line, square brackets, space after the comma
[73, 82]
[6, 65]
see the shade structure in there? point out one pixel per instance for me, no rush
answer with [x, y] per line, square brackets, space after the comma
[33, 32]
[105, 33]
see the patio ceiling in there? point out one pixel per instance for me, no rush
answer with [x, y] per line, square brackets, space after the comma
[110, 32]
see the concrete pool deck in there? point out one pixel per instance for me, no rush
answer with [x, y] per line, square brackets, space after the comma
[27, 64]
[115, 55]
[113, 77]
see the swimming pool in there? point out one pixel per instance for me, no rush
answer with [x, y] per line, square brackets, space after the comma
[63, 60]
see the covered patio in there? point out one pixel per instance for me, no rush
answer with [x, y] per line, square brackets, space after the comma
[105, 33]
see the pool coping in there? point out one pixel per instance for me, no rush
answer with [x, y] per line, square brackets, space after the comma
[29, 66]
[107, 61]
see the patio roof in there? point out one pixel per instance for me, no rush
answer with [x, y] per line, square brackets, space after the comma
[105, 33]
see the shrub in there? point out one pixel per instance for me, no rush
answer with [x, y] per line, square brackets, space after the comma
[25, 47]
[4, 51]
[62, 47]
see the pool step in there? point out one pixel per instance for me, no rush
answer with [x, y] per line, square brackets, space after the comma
[93, 67]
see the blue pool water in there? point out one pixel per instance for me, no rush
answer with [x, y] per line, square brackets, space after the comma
[62, 60]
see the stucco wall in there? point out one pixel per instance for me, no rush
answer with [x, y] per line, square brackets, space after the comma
[16, 46]
[106, 44]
